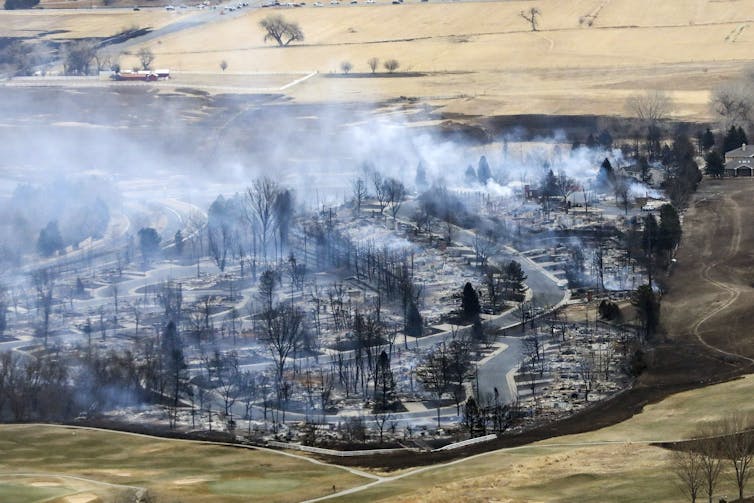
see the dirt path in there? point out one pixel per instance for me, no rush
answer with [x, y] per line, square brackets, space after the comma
[733, 291]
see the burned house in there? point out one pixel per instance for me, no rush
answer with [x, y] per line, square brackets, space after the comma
[739, 162]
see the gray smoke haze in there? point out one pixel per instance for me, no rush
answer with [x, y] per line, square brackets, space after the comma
[130, 148]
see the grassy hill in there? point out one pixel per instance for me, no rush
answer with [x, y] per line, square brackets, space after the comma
[57, 462]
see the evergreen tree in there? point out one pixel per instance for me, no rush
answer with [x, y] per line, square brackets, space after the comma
[645, 173]
[514, 277]
[741, 136]
[590, 141]
[605, 139]
[731, 140]
[421, 177]
[470, 174]
[50, 240]
[708, 140]
[472, 416]
[178, 241]
[414, 323]
[483, 171]
[470, 307]
[477, 330]
[384, 389]
[149, 242]
[713, 164]
[669, 231]
[666, 157]
[606, 175]
[648, 309]
[549, 185]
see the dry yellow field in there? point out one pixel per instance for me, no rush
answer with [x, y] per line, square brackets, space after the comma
[80, 24]
[475, 57]
[480, 57]
[611, 464]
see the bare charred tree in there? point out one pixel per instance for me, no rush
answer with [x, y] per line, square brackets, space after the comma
[623, 195]
[380, 190]
[484, 241]
[260, 199]
[531, 16]
[281, 31]
[3, 312]
[114, 291]
[380, 420]
[395, 192]
[44, 284]
[282, 335]
[588, 373]
[327, 385]
[282, 209]
[220, 241]
[461, 369]
[174, 370]
[565, 186]
[170, 297]
[136, 311]
[493, 281]
[435, 374]
[360, 193]
[228, 378]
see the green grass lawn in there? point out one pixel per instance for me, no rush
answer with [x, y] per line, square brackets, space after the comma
[18, 492]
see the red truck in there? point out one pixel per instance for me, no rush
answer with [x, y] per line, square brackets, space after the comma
[143, 76]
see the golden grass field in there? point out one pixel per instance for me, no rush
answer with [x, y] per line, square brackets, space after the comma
[479, 58]
[611, 464]
[40, 462]
[578, 467]
[79, 24]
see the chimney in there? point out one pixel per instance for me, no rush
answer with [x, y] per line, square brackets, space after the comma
[743, 147]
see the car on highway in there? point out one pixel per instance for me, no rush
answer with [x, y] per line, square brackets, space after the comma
[334, 2]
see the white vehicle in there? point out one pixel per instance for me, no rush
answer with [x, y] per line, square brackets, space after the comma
[318, 4]
[169, 7]
[334, 2]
